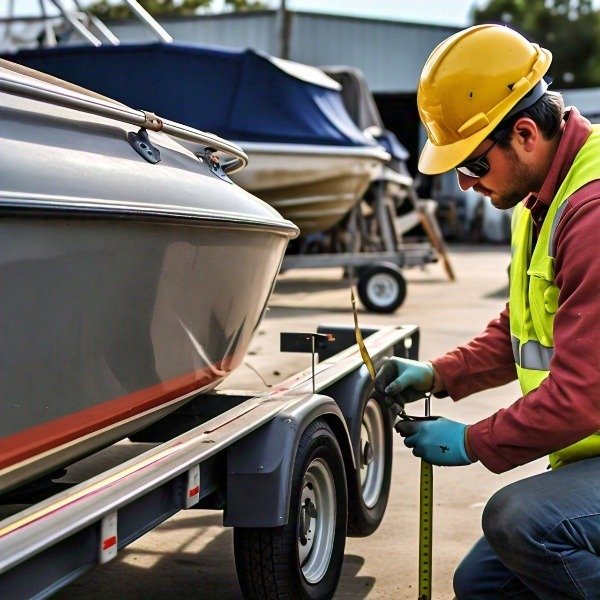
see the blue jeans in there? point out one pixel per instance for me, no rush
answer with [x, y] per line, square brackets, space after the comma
[541, 539]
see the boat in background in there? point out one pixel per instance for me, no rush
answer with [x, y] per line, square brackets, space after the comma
[362, 109]
[315, 187]
[133, 274]
[307, 157]
[391, 207]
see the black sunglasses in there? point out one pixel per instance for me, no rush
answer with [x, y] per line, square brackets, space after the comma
[479, 166]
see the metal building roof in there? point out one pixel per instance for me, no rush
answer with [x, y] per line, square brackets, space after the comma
[390, 53]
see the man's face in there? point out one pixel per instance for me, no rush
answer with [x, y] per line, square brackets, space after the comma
[508, 180]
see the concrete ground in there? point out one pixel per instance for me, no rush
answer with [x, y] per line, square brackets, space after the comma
[190, 556]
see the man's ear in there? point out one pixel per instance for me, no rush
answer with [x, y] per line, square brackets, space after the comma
[526, 133]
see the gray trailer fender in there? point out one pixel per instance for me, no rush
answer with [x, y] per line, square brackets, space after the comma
[349, 394]
[260, 465]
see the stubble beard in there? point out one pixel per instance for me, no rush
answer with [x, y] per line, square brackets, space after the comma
[525, 181]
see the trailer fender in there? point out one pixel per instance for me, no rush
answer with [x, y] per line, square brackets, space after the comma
[349, 392]
[260, 465]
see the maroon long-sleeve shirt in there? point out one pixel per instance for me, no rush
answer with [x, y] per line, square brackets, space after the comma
[566, 406]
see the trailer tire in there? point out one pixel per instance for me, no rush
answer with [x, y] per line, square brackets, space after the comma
[275, 562]
[382, 288]
[369, 489]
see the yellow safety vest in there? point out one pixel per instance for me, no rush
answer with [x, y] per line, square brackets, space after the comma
[534, 295]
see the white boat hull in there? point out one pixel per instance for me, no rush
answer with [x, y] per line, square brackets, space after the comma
[313, 186]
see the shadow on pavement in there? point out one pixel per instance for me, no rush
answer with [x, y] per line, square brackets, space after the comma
[184, 573]
[499, 293]
[353, 586]
[317, 284]
[191, 571]
[299, 307]
[309, 284]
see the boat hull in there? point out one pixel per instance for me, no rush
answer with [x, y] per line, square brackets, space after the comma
[126, 286]
[314, 186]
[105, 322]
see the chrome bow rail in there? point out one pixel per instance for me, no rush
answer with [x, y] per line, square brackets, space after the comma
[38, 90]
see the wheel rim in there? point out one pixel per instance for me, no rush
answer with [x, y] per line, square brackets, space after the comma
[382, 289]
[316, 522]
[372, 453]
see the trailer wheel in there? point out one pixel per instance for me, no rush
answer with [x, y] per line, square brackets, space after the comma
[369, 490]
[382, 288]
[302, 559]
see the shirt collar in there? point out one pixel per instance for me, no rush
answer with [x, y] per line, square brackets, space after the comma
[575, 133]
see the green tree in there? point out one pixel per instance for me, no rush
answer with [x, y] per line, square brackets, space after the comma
[570, 29]
[104, 9]
[109, 10]
[241, 5]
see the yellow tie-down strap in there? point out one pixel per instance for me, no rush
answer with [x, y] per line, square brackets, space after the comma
[359, 338]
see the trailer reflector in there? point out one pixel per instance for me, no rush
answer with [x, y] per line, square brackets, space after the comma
[108, 538]
[109, 542]
[193, 486]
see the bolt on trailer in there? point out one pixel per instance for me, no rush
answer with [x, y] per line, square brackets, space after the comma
[294, 469]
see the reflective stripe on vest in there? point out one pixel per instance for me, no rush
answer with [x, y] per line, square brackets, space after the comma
[531, 355]
[555, 221]
[533, 291]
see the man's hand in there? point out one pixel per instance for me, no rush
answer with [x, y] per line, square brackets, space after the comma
[437, 441]
[404, 380]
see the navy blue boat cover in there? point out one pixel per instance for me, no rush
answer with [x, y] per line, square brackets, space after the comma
[238, 94]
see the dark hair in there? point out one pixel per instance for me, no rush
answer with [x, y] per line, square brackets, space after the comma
[547, 113]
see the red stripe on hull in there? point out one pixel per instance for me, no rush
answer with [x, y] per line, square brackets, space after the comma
[41, 438]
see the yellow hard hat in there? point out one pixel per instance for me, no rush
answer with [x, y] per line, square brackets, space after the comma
[470, 82]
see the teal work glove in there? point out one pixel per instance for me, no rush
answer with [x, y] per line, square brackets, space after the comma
[404, 380]
[437, 441]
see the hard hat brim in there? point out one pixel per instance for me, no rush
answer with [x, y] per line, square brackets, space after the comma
[440, 159]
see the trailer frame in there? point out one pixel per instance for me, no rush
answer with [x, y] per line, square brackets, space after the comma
[52, 542]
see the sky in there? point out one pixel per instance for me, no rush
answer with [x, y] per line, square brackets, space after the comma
[442, 12]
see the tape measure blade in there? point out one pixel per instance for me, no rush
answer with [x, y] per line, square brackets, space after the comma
[425, 530]
[364, 353]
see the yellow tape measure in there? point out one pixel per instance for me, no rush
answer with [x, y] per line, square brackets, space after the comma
[359, 339]
[426, 486]
[425, 530]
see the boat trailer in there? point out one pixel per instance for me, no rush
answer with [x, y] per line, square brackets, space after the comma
[274, 462]
[373, 249]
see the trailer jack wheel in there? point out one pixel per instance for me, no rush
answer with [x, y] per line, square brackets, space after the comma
[382, 288]
[302, 559]
[369, 490]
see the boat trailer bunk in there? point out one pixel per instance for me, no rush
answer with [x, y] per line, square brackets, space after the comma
[273, 461]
